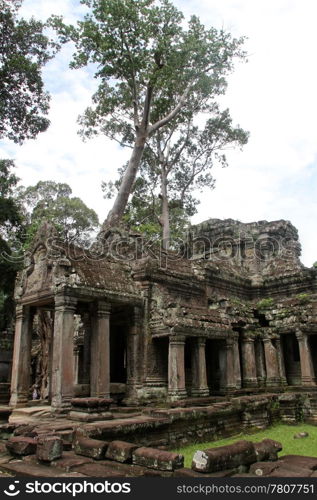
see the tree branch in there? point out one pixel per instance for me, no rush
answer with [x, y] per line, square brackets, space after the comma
[172, 114]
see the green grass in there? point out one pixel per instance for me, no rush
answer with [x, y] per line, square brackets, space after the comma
[282, 433]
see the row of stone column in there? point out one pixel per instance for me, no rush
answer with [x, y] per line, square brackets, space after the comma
[260, 364]
[62, 366]
[199, 386]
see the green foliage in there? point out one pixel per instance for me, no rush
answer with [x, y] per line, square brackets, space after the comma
[154, 70]
[265, 303]
[303, 298]
[52, 202]
[315, 264]
[24, 49]
[10, 227]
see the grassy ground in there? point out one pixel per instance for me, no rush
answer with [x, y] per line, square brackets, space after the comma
[282, 433]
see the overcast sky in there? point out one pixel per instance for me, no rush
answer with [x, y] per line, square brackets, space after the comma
[273, 96]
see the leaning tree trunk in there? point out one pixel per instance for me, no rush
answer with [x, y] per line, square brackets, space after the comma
[117, 211]
[165, 220]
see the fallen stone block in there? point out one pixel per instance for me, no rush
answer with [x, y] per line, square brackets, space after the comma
[121, 451]
[97, 470]
[224, 457]
[22, 469]
[70, 461]
[20, 445]
[263, 468]
[185, 472]
[93, 448]
[267, 450]
[49, 448]
[158, 459]
[285, 471]
[305, 462]
[301, 435]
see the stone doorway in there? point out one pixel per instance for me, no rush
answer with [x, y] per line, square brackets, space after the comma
[312, 343]
[292, 359]
[216, 365]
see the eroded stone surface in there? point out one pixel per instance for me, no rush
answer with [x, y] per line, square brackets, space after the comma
[224, 457]
[158, 459]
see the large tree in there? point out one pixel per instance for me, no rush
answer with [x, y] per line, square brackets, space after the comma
[176, 164]
[152, 71]
[10, 224]
[52, 201]
[24, 49]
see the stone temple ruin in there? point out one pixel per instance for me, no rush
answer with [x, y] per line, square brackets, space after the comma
[233, 312]
[190, 344]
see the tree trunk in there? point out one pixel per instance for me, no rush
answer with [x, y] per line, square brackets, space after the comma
[128, 179]
[165, 211]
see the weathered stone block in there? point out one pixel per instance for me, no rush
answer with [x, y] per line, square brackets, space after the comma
[91, 404]
[263, 468]
[267, 450]
[158, 459]
[224, 457]
[121, 451]
[89, 416]
[69, 461]
[301, 461]
[93, 448]
[49, 448]
[21, 445]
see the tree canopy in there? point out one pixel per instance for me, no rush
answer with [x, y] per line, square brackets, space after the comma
[52, 202]
[152, 70]
[10, 224]
[24, 50]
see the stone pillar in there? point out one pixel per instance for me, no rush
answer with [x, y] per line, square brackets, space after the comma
[63, 352]
[176, 368]
[281, 361]
[260, 362]
[134, 358]
[21, 364]
[306, 364]
[230, 368]
[248, 362]
[100, 352]
[199, 374]
[236, 363]
[271, 363]
[76, 364]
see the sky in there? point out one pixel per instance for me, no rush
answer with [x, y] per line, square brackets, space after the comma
[273, 96]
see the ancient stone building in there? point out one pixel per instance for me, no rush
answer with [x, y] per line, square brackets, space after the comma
[233, 311]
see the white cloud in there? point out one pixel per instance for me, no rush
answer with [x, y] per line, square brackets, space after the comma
[273, 96]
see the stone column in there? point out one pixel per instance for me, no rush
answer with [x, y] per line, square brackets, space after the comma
[176, 368]
[230, 368]
[134, 358]
[21, 364]
[271, 363]
[76, 364]
[63, 352]
[199, 374]
[100, 352]
[306, 364]
[260, 362]
[248, 362]
[281, 361]
[236, 363]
